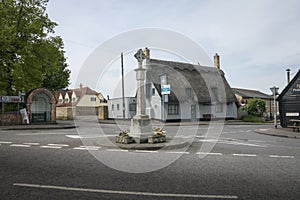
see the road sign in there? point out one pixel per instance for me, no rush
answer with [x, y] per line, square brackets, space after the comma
[11, 99]
[165, 89]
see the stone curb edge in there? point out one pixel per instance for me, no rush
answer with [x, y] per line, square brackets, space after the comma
[277, 135]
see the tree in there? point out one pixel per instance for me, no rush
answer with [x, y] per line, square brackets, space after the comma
[30, 56]
[256, 107]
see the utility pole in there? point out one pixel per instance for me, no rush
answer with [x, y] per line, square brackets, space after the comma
[123, 97]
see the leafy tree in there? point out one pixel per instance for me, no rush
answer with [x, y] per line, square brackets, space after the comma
[256, 107]
[29, 56]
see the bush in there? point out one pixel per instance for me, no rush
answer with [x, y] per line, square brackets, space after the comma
[251, 118]
[256, 107]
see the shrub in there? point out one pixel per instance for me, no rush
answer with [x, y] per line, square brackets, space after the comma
[256, 107]
[251, 118]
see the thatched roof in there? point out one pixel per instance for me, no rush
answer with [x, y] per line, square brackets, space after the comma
[207, 84]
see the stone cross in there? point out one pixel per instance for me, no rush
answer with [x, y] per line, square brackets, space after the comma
[140, 78]
[140, 56]
[141, 127]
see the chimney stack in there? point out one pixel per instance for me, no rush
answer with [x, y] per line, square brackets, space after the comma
[217, 61]
[147, 53]
[288, 75]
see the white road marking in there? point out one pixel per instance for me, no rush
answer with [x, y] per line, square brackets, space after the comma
[232, 142]
[127, 192]
[209, 153]
[87, 148]
[244, 155]
[145, 151]
[3, 142]
[74, 136]
[31, 134]
[117, 150]
[87, 136]
[278, 156]
[178, 152]
[50, 147]
[19, 145]
[94, 147]
[241, 143]
[31, 143]
[208, 140]
[58, 145]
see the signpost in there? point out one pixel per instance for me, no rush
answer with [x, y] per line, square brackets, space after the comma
[274, 91]
[165, 89]
[12, 99]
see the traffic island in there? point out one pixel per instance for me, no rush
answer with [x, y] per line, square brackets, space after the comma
[169, 144]
[159, 136]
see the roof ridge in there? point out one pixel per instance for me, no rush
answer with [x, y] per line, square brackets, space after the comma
[178, 62]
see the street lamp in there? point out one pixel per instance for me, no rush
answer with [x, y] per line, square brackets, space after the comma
[274, 91]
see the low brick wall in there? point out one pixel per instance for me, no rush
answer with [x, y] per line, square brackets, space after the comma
[65, 113]
[10, 118]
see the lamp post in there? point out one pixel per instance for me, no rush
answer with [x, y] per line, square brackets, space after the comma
[274, 91]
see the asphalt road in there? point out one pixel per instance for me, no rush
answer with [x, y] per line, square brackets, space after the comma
[233, 164]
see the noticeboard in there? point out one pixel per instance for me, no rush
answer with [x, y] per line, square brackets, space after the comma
[11, 99]
[296, 89]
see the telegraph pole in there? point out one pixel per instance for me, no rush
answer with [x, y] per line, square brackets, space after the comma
[123, 97]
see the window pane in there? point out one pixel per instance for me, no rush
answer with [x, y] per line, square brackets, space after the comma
[219, 108]
[173, 109]
[132, 107]
[189, 92]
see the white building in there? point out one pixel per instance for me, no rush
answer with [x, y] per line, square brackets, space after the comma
[115, 108]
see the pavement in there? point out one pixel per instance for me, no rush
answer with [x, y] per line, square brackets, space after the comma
[279, 132]
[58, 125]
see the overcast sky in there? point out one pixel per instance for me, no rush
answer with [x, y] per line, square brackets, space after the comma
[257, 40]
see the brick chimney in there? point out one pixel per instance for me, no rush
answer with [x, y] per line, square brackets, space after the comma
[217, 61]
[147, 53]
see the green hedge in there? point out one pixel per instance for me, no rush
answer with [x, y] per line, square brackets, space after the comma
[251, 118]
